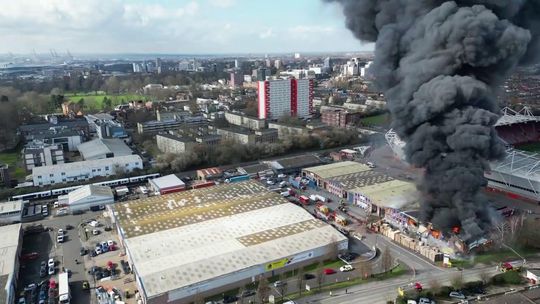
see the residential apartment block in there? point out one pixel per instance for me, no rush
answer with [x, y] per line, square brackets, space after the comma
[285, 97]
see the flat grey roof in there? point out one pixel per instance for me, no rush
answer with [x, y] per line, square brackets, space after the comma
[98, 147]
[12, 206]
[167, 181]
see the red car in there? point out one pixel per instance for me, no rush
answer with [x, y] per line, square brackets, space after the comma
[329, 271]
[418, 286]
[29, 256]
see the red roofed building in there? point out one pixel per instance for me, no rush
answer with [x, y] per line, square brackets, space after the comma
[209, 173]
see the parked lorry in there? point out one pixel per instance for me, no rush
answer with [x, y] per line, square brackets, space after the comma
[316, 197]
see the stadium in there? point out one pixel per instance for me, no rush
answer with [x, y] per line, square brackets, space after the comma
[518, 174]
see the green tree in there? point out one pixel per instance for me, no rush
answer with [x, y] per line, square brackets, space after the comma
[81, 103]
[107, 103]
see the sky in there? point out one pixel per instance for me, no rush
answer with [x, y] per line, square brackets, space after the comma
[174, 26]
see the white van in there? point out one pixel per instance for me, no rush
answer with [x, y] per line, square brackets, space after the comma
[60, 238]
[143, 189]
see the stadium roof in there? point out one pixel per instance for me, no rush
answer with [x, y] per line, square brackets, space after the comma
[337, 169]
[510, 117]
[191, 237]
[391, 194]
[101, 148]
[519, 163]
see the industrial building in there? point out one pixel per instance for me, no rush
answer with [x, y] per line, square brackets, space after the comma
[362, 186]
[87, 196]
[11, 212]
[103, 148]
[167, 184]
[285, 97]
[10, 249]
[206, 241]
[85, 170]
[291, 165]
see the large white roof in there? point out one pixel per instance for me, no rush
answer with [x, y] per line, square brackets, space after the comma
[100, 148]
[8, 248]
[167, 181]
[11, 206]
[519, 163]
[87, 191]
[211, 232]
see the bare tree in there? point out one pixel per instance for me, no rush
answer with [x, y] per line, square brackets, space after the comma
[263, 291]
[457, 282]
[364, 269]
[387, 261]
[515, 224]
[320, 275]
[300, 279]
[434, 285]
[484, 276]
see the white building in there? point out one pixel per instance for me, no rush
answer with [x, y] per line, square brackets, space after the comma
[11, 212]
[286, 97]
[36, 155]
[10, 249]
[84, 170]
[87, 196]
[104, 148]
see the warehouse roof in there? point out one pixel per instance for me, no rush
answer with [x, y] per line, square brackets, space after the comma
[86, 165]
[337, 169]
[391, 194]
[295, 162]
[12, 206]
[254, 169]
[8, 253]
[167, 181]
[359, 179]
[88, 191]
[101, 148]
[191, 237]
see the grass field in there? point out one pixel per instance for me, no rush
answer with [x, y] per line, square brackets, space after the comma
[94, 101]
[379, 120]
[12, 159]
[531, 147]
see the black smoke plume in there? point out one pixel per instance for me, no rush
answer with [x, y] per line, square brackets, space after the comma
[440, 64]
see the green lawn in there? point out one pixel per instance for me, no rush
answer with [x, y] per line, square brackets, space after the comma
[379, 120]
[12, 159]
[94, 101]
[530, 147]
[494, 257]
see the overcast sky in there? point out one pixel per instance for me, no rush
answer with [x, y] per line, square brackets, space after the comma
[176, 27]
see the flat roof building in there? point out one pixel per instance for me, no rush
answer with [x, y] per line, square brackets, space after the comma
[167, 184]
[104, 148]
[10, 250]
[294, 164]
[11, 212]
[89, 196]
[203, 242]
[85, 170]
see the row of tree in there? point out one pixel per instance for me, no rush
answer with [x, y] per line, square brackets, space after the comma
[229, 152]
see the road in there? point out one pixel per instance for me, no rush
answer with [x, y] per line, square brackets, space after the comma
[381, 292]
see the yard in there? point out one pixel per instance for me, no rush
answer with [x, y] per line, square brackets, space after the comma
[378, 120]
[94, 100]
[12, 160]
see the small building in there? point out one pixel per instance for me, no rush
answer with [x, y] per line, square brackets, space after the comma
[245, 121]
[10, 249]
[209, 174]
[349, 153]
[168, 143]
[382, 197]
[88, 196]
[167, 184]
[11, 212]
[68, 139]
[104, 148]
[339, 117]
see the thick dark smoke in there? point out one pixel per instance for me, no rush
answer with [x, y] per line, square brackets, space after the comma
[439, 64]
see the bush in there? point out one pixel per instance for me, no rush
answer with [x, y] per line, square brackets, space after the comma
[444, 291]
[473, 285]
[509, 277]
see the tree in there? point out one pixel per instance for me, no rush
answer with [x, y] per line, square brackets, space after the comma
[81, 103]
[434, 285]
[484, 276]
[320, 275]
[387, 261]
[263, 290]
[364, 269]
[300, 280]
[107, 103]
[457, 281]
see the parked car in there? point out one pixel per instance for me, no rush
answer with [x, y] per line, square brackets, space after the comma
[45, 210]
[329, 271]
[60, 231]
[98, 250]
[43, 271]
[85, 285]
[247, 293]
[69, 227]
[346, 268]
[51, 262]
[22, 300]
[95, 232]
[425, 301]
[456, 295]
[229, 299]
[279, 284]
[83, 251]
[52, 270]
[110, 243]
[93, 223]
[60, 238]
[309, 276]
